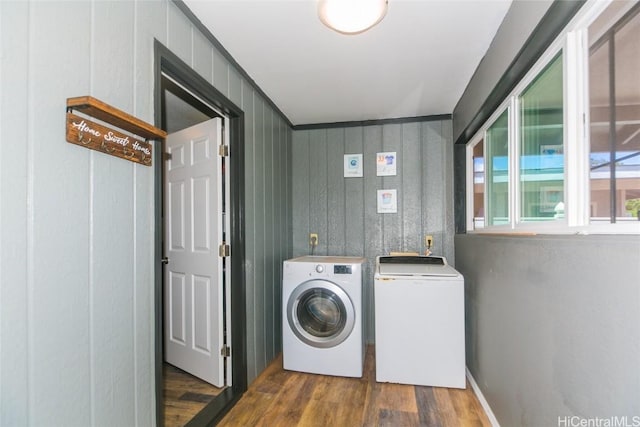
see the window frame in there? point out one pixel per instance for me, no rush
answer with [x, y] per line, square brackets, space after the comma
[573, 44]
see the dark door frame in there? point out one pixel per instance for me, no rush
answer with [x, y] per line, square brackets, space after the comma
[168, 63]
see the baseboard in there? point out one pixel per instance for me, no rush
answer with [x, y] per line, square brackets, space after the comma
[483, 401]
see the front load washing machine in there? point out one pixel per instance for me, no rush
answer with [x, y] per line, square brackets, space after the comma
[322, 315]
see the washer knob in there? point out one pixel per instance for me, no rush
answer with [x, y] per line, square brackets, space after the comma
[319, 268]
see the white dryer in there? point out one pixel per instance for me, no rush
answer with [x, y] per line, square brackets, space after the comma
[322, 315]
[419, 322]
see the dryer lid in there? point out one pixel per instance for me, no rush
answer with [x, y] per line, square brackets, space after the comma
[414, 266]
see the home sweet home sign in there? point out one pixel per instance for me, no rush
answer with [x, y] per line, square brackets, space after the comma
[129, 139]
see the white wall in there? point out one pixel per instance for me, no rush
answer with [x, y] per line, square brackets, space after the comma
[76, 226]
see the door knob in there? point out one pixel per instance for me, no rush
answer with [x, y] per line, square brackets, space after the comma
[165, 260]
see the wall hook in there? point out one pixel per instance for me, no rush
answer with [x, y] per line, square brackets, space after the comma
[106, 148]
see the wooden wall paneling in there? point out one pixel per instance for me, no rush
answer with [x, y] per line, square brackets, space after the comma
[460, 187]
[285, 234]
[422, 180]
[250, 182]
[151, 22]
[112, 203]
[179, 33]
[300, 186]
[289, 187]
[259, 236]
[109, 366]
[288, 230]
[335, 192]
[56, 283]
[354, 197]
[235, 86]
[202, 56]
[279, 230]
[221, 73]
[16, 249]
[275, 254]
[449, 192]
[433, 178]
[245, 101]
[373, 238]
[392, 222]
[411, 178]
[143, 293]
[285, 180]
[318, 221]
[270, 196]
[441, 191]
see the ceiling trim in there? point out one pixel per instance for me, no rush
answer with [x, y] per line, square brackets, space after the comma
[205, 31]
[432, 118]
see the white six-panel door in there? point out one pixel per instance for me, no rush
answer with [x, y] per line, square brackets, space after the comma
[193, 287]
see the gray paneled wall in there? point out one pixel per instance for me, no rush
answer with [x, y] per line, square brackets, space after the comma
[268, 219]
[343, 211]
[76, 226]
[553, 325]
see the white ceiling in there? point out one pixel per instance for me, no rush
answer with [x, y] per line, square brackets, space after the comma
[416, 62]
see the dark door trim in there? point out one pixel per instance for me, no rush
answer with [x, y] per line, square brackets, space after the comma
[168, 63]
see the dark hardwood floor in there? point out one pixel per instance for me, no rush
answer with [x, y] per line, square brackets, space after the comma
[184, 396]
[279, 398]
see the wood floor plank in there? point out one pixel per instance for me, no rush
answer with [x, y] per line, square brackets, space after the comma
[249, 410]
[371, 412]
[391, 418]
[318, 413]
[184, 395]
[397, 397]
[468, 407]
[344, 398]
[291, 401]
[446, 410]
[281, 398]
[427, 407]
[340, 390]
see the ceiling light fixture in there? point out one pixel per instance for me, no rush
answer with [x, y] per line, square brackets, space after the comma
[351, 16]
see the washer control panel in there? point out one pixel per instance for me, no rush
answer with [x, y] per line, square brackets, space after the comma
[342, 269]
[325, 270]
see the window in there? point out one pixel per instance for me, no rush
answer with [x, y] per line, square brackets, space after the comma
[542, 146]
[477, 201]
[614, 89]
[497, 172]
[562, 154]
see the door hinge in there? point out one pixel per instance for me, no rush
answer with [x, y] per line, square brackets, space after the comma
[225, 351]
[223, 150]
[224, 250]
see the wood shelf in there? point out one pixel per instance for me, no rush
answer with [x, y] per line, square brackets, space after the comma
[98, 109]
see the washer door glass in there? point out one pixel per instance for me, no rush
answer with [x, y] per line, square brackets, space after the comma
[320, 313]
